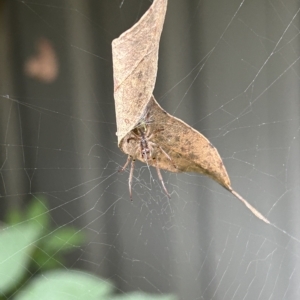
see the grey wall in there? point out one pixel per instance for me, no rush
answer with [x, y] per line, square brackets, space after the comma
[228, 68]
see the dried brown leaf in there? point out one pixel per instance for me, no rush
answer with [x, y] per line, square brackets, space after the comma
[135, 56]
[177, 147]
[147, 132]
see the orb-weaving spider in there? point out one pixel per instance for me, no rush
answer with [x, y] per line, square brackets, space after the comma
[144, 147]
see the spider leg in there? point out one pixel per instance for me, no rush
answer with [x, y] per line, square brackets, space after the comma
[161, 180]
[131, 138]
[159, 147]
[134, 137]
[167, 155]
[126, 164]
[130, 173]
[130, 178]
[157, 130]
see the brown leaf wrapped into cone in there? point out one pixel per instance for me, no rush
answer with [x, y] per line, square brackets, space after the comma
[145, 131]
[166, 142]
[135, 56]
[177, 147]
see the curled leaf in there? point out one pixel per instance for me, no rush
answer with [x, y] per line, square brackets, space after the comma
[135, 56]
[147, 132]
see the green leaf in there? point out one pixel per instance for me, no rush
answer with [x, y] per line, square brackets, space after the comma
[63, 239]
[65, 285]
[143, 296]
[16, 244]
[13, 216]
[37, 211]
[45, 260]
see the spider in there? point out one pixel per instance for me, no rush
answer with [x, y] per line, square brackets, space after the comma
[142, 135]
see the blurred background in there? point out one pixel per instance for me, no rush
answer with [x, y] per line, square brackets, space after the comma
[228, 68]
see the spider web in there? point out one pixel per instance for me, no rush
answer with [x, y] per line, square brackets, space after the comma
[230, 69]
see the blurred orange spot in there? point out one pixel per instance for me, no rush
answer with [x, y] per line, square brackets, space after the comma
[43, 65]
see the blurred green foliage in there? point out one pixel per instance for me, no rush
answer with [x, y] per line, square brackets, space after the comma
[32, 263]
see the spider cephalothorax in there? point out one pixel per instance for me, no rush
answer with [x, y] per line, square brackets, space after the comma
[144, 149]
